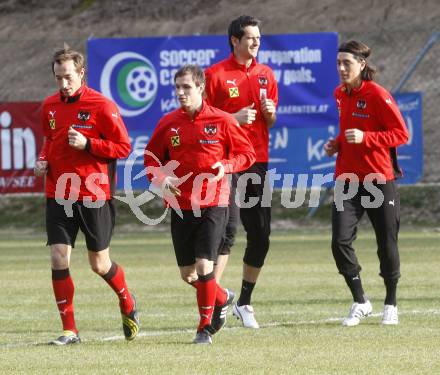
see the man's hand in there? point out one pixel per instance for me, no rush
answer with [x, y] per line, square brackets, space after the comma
[267, 106]
[331, 147]
[269, 110]
[40, 168]
[246, 115]
[220, 173]
[354, 136]
[169, 186]
[76, 139]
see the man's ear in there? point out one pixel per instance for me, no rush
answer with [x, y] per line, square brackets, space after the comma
[234, 41]
[363, 65]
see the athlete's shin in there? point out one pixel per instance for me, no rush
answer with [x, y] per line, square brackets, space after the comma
[64, 289]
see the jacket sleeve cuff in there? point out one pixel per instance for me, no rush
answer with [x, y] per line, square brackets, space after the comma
[228, 167]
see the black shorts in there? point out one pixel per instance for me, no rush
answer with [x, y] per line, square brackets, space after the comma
[198, 237]
[96, 223]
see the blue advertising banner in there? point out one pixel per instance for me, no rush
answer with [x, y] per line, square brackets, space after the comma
[301, 150]
[137, 73]
[410, 156]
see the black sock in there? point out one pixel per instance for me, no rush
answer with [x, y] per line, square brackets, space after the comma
[206, 277]
[111, 272]
[391, 287]
[355, 285]
[245, 294]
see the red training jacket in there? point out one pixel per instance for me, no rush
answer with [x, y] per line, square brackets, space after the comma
[231, 86]
[98, 119]
[196, 144]
[373, 110]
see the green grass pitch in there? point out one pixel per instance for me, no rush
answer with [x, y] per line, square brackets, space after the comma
[299, 301]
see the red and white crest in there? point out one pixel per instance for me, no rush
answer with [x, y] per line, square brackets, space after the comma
[210, 129]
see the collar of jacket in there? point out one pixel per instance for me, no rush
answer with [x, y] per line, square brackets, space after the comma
[237, 65]
[73, 98]
[197, 113]
[355, 90]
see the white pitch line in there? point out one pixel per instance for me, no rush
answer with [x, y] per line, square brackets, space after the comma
[185, 331]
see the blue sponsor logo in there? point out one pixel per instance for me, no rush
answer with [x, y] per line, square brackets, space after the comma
[130, 79]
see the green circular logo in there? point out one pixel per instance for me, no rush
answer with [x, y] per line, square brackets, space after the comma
[137, 84]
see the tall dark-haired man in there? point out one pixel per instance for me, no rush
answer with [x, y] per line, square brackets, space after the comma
[249, 91]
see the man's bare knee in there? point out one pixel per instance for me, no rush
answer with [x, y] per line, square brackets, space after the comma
[100, 261]
[60, 256]
[188, 274]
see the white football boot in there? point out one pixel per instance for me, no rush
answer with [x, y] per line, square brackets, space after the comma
[246, 314]
[390, 315]
[358, 311]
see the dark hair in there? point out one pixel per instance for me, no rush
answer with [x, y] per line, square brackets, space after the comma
[236, 27]
[196, 72]
[361, 52]
[67, 54]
